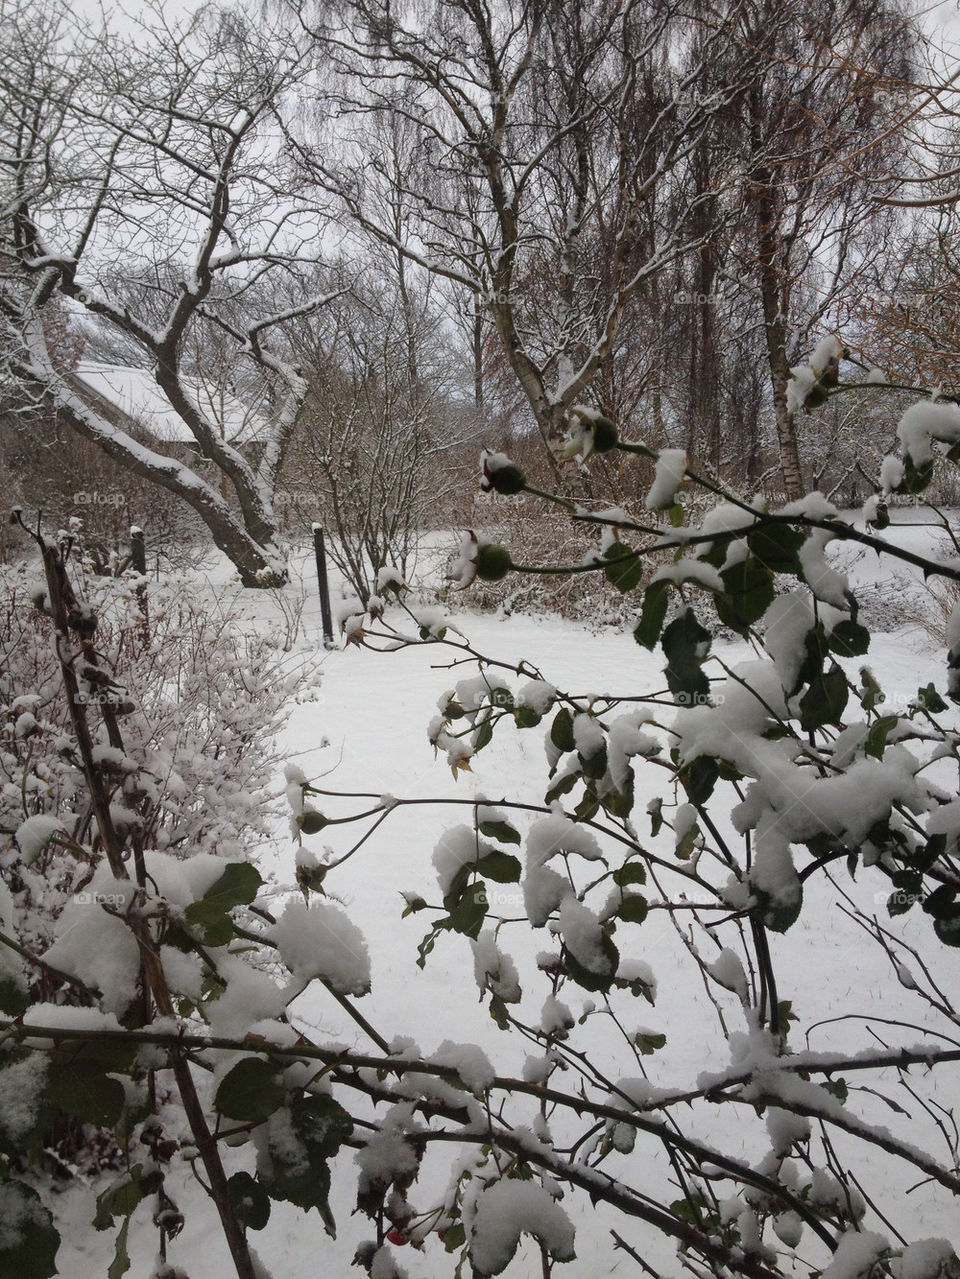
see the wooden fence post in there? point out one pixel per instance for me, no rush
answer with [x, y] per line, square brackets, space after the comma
[138, 562]
[321, 555]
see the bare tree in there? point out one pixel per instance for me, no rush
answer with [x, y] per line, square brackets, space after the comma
[828, 85]
[158, 156]
[548, 148]
[376, 445]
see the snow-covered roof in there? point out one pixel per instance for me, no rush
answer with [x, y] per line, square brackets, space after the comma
[136, 394]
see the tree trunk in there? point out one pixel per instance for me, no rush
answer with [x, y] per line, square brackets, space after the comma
[775, 305]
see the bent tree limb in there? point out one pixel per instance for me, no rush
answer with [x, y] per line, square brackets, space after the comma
[254, 562]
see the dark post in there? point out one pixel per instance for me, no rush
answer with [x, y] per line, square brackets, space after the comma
[324, 588]
[138, 551]
[138, 562]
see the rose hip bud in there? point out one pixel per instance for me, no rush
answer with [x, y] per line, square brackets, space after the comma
[493, 563]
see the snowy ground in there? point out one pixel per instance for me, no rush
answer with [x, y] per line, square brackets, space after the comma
[373, 710]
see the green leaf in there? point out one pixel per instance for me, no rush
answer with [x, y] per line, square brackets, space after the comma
[29, 1252]
[907, 892]
[849, 639]
[825, 700]
[526, 717]
[321, 1123]
[748, 593]
[297, 1170]
[14, 995]
[625, 570]
[655, 810]
[929, 699]
[947, 928]
[879, 732]
[501, 831]
[250, 1200]
[932, 851]
[208, 919]
[591, 978]
[561, 730]
[237, 886]
[915, 478]
[637, 986]
[498, 1011]
[686, 645]
[780, 912]
[870, 692]
[84, 1089]
[121, 1258]
[652, 615]
[777, 546]
[563, 786]
[699, 778]
[686, 845]
[595, 765]
[311, 822]
[619, 803]
[649, 1042]
[454, 1237]
[119, 1199]
[630, 873]
[675, 515]
[691, 1209]
[501, 867]
[837, 1088]
[483, 734]
[250, 1091]
[633, 909]
[471, 911]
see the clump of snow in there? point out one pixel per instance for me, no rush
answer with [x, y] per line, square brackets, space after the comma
[505, 1211]
[828, 350]
[95, 945]
[461, 846]
[925, 1259]
[667, 477]
[728, 971]
[802, 381]
[543, 888]
[556, 1018]
[788, 621]
[825, 582]
[537, 695]
[688, 569]
[21, 1088]
[625, 738]
[319, 940]
[469, 1061]
[892, 472]
[785, 1129]
[925, 421]
[387, 1155]
[250, 996]
[493, 969]
[856, 1254]
[35, 833]
[388, 578]
[582, 935]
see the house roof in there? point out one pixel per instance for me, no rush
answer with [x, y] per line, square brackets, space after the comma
[136, 394]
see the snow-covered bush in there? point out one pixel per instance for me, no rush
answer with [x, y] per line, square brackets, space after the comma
[198, 734]
[777, 781]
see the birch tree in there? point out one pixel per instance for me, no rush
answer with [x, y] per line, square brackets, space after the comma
[548, 149]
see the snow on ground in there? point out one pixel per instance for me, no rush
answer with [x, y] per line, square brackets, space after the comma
[367, 732]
